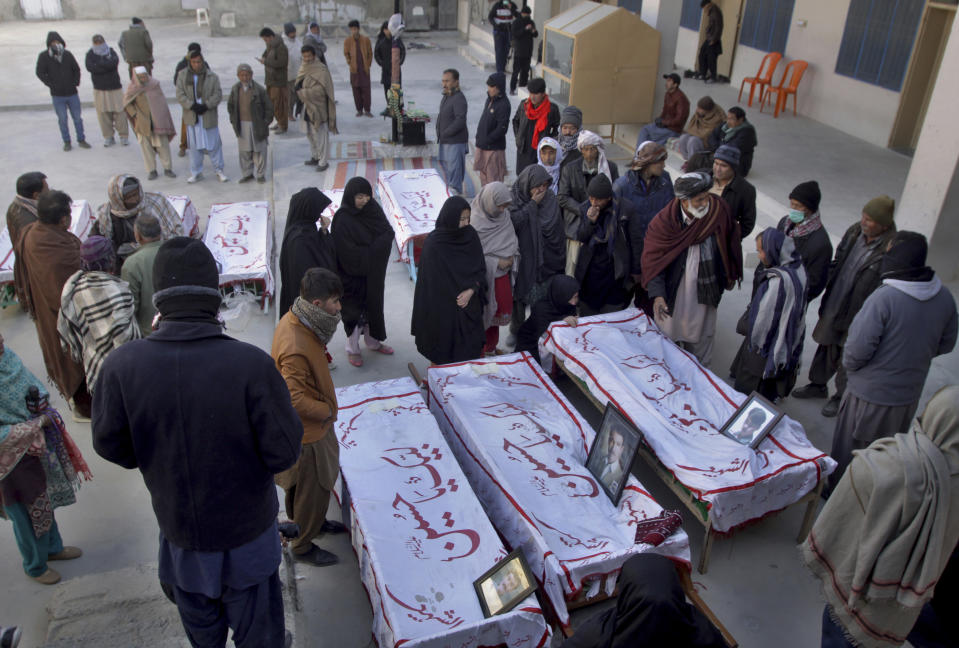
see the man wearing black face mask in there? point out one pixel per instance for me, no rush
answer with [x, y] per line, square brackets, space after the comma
[60, 72]
[906, 322]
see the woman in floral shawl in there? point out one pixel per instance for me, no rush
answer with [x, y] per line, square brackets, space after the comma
[40, 469]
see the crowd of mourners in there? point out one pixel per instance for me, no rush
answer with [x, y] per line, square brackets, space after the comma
[127, 322]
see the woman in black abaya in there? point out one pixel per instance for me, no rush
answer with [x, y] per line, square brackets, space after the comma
[363, 238]
[450, 288]
[303, 247]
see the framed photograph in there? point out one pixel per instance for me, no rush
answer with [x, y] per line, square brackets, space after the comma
[505, 584]
[613, 451]
[754, 419]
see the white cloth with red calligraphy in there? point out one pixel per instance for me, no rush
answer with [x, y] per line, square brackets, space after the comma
[240, 237]
[680, 406]
[81, 220]
[411, 200]
[336, 198]
[524, 448]
[188, 216]
[420, 534]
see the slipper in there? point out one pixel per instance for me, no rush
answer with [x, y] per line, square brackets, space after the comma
[355, 359]
[385, 349]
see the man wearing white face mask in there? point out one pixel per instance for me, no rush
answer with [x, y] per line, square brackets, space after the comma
[691, 254]
[805, 227]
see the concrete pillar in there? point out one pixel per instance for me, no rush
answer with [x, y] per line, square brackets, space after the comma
[930, 199]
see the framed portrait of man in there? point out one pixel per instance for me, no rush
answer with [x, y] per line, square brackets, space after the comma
[754, 419]
[613, 451]
[505, 584]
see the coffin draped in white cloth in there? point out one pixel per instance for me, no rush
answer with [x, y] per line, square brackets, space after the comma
[240, 237]
[420, 534]
[81, 221]
[679, 406]
[411, 200]
[524, 448]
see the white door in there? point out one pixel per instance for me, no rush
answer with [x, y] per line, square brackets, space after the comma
[40, 9]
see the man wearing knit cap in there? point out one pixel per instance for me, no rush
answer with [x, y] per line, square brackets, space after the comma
[805, 227]
[738, 193]
[489, 157]
[692, 253]
[535, 117]
[229, 427]
[906, 322]
[602, 266]
[570, 121]
[853, 275]
[673, 117]
[251, 112]
[523, 33]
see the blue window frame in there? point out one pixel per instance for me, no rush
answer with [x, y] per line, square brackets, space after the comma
[636, 6]
[692, 15]
[877, 41]
[765, 24]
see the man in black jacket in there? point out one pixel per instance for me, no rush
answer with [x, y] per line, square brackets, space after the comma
[208, 420]
[501, 16]
[489, 158]
[60, 72]
[738, 132]
[451, 132]
[804, 226]
[712, 45]
[102, 63]
[535, 118]
[523, 32]
[738, 193]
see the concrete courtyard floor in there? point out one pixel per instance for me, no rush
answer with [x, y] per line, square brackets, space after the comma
[755, 582]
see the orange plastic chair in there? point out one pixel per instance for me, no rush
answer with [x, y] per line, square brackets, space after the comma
[793, 73]
[762, 79]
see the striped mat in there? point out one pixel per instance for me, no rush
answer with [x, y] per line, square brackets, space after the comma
[370, 170]
[350, 150]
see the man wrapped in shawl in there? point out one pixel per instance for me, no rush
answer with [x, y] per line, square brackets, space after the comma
[489, 216]
[549, 155]
[97, 310]
[127, 200]
[451, 289]
[883, 540]
[775, 320]
[363, 239]
[305, 244]
[40, 468]
[147, 109]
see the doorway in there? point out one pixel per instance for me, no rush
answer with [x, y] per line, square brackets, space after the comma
[921, 77]
[41, 9]
[732, 17]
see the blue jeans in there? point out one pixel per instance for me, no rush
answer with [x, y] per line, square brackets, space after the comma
[71, 103]
[453, 159]
[501, 43]
[653, 133]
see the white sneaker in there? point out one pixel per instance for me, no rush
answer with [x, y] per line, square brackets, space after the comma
[195, 178]
[222, 176]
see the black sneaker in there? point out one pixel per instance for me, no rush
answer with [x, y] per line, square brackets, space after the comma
[332, 526]
[831, 408]
[248, 178]
[67, 146]
[812, 390]
[312, 162]
[153, 175]
[83, 144]
[317, 557]
[169, 173]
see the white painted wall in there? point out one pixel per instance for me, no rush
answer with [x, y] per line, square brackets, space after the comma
[687, 48]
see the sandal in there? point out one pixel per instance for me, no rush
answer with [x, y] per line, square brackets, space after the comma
[355, 359]
[385, 349]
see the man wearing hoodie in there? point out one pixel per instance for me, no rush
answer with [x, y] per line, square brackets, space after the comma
[906, 322]
[489, 158]
[60, 72]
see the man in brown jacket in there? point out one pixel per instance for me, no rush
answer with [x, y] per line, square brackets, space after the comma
[21, 212]
[275, 61]
[359, 56]
[299, 351]
[701, 124]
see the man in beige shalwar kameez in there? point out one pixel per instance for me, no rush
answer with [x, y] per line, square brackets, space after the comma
[147, 109]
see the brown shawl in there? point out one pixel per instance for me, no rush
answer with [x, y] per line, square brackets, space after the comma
[316, 92]
[50, 255]
[159, 112]
[22, 212]
[666, 238]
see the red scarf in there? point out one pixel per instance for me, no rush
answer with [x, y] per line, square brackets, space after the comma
[541, 115]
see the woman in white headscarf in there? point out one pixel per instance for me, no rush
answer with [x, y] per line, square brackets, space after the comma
[550, 159]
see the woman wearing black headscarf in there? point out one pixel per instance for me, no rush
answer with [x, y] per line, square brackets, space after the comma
[559, 303]
[450, 289]
[363, 238]
[303, 246]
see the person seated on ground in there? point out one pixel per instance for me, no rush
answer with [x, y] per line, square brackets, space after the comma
[304, 245]
[536, 217]
[671, 119]
[363, 239]
[738, 132]
[648, 188]
[774, 323]
[450, 293]
[558, 302]
[603, 263]
[805, 227]
[883, 541]
[549, 155]
[40, 468]
[127, 200]
[573, 180]
[729, 185]
[707, 116]
[97, 311]
[490, 217]
[650, 612]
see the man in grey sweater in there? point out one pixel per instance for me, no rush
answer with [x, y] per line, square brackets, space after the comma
[451, 132]
[906, 322]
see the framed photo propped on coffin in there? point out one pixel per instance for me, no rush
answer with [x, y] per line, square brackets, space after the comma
[614, 448]
[754, 419]
[505, 584]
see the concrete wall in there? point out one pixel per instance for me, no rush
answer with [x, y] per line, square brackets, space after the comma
[230, 17]
[10, 10]
[108, 9]
[686, 52]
